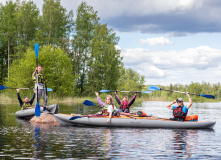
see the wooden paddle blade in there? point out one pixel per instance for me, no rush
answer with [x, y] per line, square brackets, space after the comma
[75, 117]
[37, 110]
[207, 96]
[88, 103]
[153, 88]
[2, 87]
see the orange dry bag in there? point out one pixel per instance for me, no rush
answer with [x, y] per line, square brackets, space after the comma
[142, 114]
[191, 118]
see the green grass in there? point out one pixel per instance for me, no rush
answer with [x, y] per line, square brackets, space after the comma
[12, 99]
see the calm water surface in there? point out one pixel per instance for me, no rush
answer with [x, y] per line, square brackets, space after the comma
[22, 140]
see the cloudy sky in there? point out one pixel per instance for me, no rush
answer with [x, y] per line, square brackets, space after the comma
[172, 41]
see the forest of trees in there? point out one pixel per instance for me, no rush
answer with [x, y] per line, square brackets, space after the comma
[78, 54]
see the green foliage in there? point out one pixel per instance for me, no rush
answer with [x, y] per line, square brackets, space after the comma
[57, 70]
[84, 29]
[53, 22]
[94, 63]
[7, 36]
[105, 60]
[130, 80]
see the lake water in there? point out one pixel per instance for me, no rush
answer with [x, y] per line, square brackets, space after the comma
[22, 140]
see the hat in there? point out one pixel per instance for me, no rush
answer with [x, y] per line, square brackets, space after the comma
[180, 99]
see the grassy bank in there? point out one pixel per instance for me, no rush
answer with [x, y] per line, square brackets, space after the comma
[12, 99]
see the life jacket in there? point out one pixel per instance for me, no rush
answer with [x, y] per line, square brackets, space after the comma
[40, 78]
[105, 108]
[179, 114]
[26, 106]
[124, 106]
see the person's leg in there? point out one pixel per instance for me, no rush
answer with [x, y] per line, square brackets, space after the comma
[126, 111]
[45, 98]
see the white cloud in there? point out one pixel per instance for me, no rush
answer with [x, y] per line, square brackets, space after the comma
[157, 41]
[192, 64]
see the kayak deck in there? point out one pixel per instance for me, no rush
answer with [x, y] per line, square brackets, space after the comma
[27, 114]
[131, 121]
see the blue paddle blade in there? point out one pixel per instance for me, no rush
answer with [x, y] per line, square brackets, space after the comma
[207, 96]
[37, 110]
[75, 117]
[36, 49]
[153, 88]
[145, 92]
[104, 90]
[49, 89]
[2, 87]
[88, 103]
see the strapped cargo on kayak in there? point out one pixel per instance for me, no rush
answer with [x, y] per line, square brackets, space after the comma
[192, 118]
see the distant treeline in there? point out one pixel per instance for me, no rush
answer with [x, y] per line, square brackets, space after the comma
[78, 54]
[198, 88]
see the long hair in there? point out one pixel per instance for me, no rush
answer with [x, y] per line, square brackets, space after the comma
[122, 100]
[111, 99]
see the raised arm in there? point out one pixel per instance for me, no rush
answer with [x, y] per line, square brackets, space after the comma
[117, 99]
[99, 99]
[169, 106]
[190, 100]
[132, 100]
[19, 98]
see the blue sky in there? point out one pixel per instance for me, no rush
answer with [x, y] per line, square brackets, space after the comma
[173, 41]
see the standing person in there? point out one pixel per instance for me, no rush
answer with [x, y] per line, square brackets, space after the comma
[42, 90]
[26, 104]
[124, 104]
[108, 106]
[180, 111]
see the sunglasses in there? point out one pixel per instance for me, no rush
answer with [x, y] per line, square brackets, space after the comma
[179, 101]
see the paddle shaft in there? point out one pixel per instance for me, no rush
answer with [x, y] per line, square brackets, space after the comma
[179, 92]
[37, 107]
[37, 77]
[121, 91]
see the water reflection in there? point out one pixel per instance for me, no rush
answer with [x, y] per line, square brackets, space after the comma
[20, 139]
[181, 144]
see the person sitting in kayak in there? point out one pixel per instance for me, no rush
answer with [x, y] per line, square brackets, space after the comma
[26, 104]
[124, 104]
[108, 106]
[180, 111]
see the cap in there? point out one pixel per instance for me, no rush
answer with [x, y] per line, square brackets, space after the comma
[180, 99]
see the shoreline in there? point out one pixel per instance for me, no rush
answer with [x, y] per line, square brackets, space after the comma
[4, 99]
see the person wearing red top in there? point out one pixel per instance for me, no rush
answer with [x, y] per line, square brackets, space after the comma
[124, 104]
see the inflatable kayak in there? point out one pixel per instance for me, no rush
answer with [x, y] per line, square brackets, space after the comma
[27, 114]
[131, 121]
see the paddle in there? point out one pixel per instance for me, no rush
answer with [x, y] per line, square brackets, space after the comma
[37, 107]
[125, 91]
[87, 103]
[3, 87]
[155, 88]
